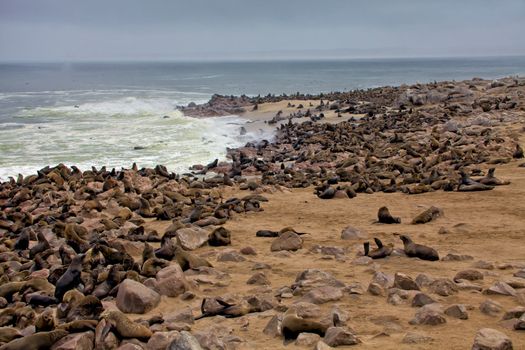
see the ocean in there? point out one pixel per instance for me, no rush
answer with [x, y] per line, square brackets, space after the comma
[115, 114]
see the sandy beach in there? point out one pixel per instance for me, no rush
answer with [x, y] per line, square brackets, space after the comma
[154, 259]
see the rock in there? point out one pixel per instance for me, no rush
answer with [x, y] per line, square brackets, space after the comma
[306, 310]
[375, 289]
[443, 287]
[352, 233]
[484, 265]
[336, 336]
[134, 297]
[416, 338]
[77, 341]
[491, 339]
[274, 327]
[424, 280]
[183, 316]
[469, 275]
[362, 261]
[185, 341]
[405, 282]
[516, 312]
[500, 288]
[161, 340]
[208, 275]
[465, 285]
[171, 281]
[430, 314]
[323, 295]
[384, 280]
[191, 238]
[421, 299]
[457, 311]
[287, 241]
[307, 339]
[259, 278]
[230, 255]
[321, 345]
[248, 251]
[313, 278]
[520, 274]
[129, 346]
[490, 307]
[354, 288]
[520, 325]
[457, 257]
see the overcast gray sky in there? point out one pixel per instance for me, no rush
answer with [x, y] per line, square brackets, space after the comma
[68, 30]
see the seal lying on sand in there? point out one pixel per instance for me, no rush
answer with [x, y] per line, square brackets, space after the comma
[37, 341]
[428, 215]
[491, 180]
[123, 326]
[292, 325]
[466, 184]
[415, 250]
[216, 306]
[384, 217]
[380, 252]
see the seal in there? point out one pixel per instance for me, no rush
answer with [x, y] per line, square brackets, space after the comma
[380, 252]
[71, 278]
[428, 215]
[218, 307]
[491, 180]
[415, 250]
[466, 184]
[292, 325]
[219, 237]
[45, 322]
[187, 260]
[384, 217]
[9, 333]
[37, 341]
[123, 326]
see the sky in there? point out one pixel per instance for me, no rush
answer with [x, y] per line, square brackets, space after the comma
[144, 30]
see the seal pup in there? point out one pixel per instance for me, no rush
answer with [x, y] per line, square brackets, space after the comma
[518, 153]
[217, 307]
[37, 341]
[380, 252]
[45, 321]
[428, 215]
[384, 217]
[415, 250]
[292, 325]
[71, 278]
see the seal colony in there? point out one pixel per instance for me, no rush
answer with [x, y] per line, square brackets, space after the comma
[145, 258]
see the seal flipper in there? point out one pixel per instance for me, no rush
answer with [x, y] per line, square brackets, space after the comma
[366, 246]
[378, 243]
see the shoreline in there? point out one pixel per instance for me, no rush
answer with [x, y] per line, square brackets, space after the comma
[321, 182]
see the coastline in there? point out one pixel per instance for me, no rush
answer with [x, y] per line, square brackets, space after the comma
[400, 147]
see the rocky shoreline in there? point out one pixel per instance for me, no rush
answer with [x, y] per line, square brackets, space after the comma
[149, 259]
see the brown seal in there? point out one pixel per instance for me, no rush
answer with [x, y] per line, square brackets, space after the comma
[216, 306]
[219, 237]
[45, 321]
[428, 215]
[384, 217]
[71, 278]
[415, 250]
[292, 325]
[9, 333]
[123, 326]
[37, 341]
[380, 252]
[491, 180]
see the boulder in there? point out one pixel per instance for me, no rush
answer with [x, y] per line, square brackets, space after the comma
[491, 339]
[191, 238]
[134, 297]
[336, 336]
[416, 338]
[287, 241]
[76, 341]
[469, 275]
[185, 341]
[430, 314]
[171, 281]
[307, 339]
[490, 307]
[443, 287]
[323, 295]
[500, 288]
[422, 299]
[161, 340]
[457, 311]
[405, 282]
[259, 279]
[352, 233]
[230, 255]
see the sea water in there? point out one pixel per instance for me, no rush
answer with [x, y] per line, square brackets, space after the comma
[115, 114]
